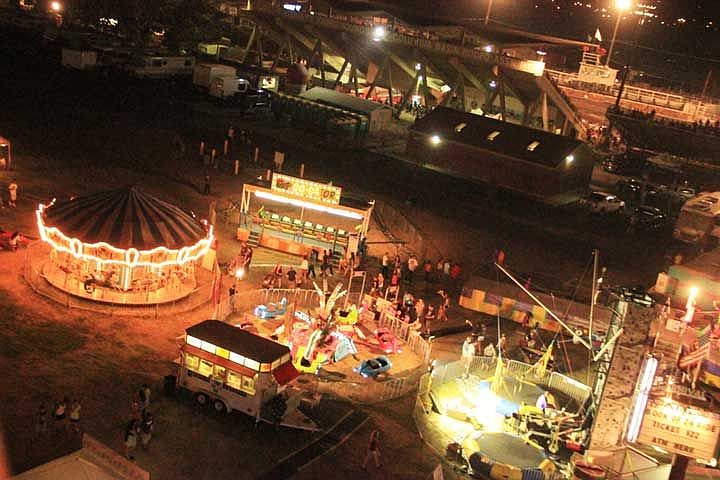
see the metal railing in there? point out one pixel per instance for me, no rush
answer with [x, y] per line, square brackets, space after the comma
[38, 253]
[642, 95]
[413, 339]
[557, 382]
[369, 392]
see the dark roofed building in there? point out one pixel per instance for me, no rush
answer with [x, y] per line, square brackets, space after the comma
[548, 167]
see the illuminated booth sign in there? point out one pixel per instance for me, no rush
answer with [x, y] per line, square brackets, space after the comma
[679, 429]
[299, 187]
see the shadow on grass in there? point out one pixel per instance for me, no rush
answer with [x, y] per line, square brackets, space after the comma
[47, 338]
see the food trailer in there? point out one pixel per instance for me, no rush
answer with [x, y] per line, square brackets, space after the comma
[5, 154]
[233, 369]
[294, 217]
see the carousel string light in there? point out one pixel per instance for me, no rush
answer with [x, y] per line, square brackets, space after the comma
[131, 256]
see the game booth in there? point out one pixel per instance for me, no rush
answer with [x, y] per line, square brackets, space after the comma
[124, 247]
[295, 216]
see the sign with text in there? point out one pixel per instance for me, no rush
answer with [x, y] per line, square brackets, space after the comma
[318, 192]
[680, 429]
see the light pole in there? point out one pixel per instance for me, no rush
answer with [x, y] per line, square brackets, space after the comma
[621, 6]
[487, 13]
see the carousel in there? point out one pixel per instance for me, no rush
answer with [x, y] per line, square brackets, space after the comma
[123, 247]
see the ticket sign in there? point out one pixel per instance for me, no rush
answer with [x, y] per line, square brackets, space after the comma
[680, 429]
[317, 192]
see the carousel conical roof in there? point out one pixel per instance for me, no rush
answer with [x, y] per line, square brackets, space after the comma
[125, 218]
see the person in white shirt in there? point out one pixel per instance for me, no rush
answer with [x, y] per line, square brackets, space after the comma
[468, 352]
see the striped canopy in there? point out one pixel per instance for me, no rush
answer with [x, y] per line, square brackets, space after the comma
[125, 218]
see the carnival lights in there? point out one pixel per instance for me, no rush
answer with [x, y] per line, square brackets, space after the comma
[130, 257]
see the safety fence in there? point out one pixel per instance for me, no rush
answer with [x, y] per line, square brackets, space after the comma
[557, 382]
[403, 331]
[369, 392]
[37, 254]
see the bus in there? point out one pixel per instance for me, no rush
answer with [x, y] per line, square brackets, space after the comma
[233, 369]
[699, 220]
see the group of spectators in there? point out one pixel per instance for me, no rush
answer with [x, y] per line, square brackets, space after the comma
[698, 126]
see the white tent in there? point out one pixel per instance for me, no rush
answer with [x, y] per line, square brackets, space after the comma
[94, 461]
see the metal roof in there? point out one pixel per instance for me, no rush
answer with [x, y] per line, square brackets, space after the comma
[529, 144]
[125, 218]
[237, 340]
[342, 100]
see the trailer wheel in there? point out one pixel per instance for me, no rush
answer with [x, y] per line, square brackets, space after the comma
[219, 406]
[202, 399]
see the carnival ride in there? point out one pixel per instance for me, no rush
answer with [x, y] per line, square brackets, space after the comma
[318, 339]
[387, 341]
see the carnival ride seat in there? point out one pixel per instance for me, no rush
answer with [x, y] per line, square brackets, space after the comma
[373, 367]
[271, 310]
[386, 340]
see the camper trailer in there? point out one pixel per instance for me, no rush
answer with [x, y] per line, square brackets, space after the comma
[233, 369]
[154, 66]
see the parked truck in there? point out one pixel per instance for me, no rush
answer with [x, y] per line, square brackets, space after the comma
[205, 73]
[225, 86]
[79, 59]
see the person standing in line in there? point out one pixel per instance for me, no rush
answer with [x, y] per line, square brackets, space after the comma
[206, 187]
[429, 318]
[373, 449]
[385, 265]
[75, 408]
[292, 277]
[502, 345]
[13, 193]
[412, 265]
[304, 267]
[468, 352]
[489, 351]
[311, 264]
[60, 414]
[41, 421]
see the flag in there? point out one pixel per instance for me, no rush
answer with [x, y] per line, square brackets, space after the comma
[598, 36]
[698, 349]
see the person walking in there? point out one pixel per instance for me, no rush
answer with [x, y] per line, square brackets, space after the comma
[429, 318]
[75, 408]
[231, 298]
[144, 395]
[444, 305]
[206, 187]
[130, 438]
[13, 193]
[146, 428]
[373, 449]
[468, 352]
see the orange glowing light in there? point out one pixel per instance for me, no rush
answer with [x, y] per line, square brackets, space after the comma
[130, 257]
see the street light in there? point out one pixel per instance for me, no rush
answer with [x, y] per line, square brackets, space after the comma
[487, 13]
[378, 33]
[435, 140]
[55, 7]
[621, 5]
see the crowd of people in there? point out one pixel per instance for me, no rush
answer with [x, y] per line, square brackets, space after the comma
[698, 126]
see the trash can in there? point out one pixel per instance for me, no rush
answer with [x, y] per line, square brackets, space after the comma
[169, 385]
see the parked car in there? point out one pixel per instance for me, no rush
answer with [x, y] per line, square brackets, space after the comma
[649, 217]
[603, 202]
[629, 163]
[629, 189]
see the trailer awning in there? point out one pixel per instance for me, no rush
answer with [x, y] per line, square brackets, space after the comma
[285, 373]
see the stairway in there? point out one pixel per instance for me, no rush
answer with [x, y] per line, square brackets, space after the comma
[254, 239]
